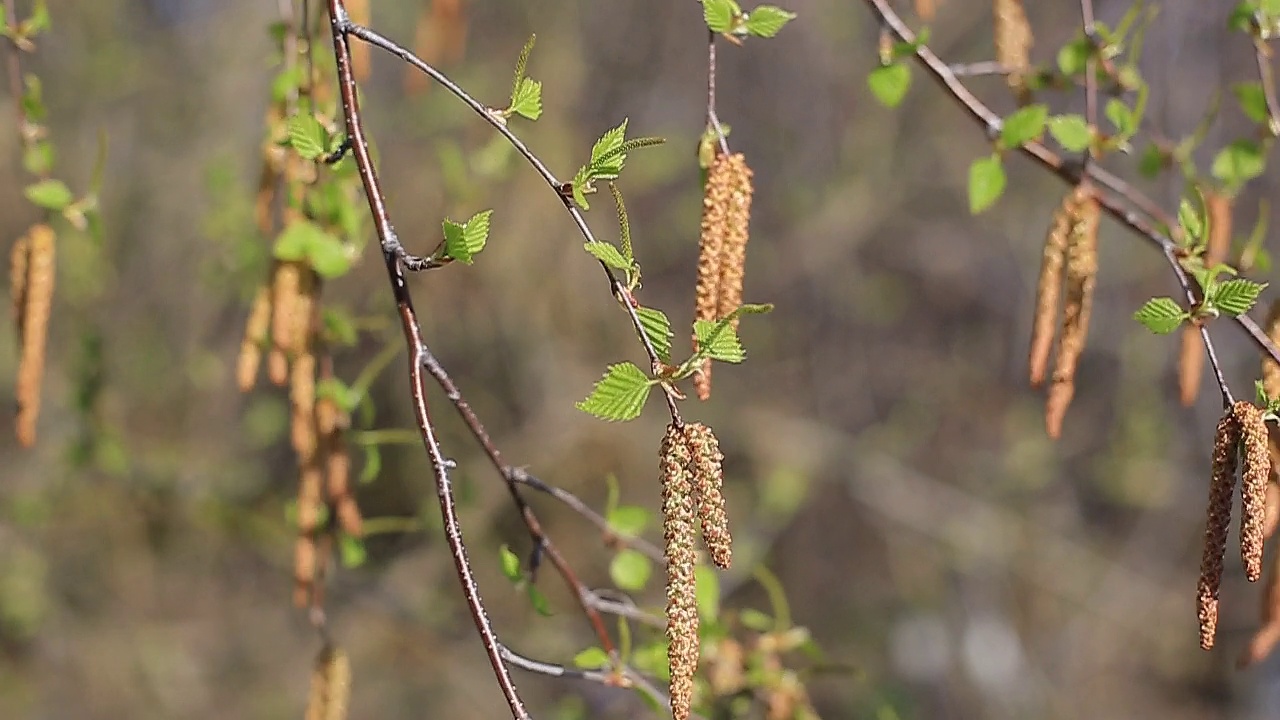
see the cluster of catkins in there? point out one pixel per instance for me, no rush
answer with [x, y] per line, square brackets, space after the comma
[722, 247]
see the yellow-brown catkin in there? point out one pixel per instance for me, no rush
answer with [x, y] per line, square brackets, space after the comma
[716, 196]
[1271, 517]
[1254, 477]
[330, 685]
[1081, 276]
[19, 254]
[1268, 635]
[708, 488]
[1226, 440]
[302, 398]
[306, 557]
[737, 233]
[358, 10]
[305, 312]
[679, 510]
[37, 304]
[1218, 246]
[1013, 42]
[255, 335]
[926, 9]
[286, 283]
[338, 472]
[1049, 289]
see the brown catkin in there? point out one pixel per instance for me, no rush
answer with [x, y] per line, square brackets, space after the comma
[737, 233]
[305, 312]
[1254, 478]
[255, 334]
[19, 255]
[307, 559]
[679, 511]
[1271, 516]
[1049, 289]
[716, 196]
[338, 484]
[37, 305]
[1081, 276]
[708, 489]
[286, 283]
[302, 399]
[926, 9]
[330, 685]
[1013, 40]
[1217, 247]
[1226, 440]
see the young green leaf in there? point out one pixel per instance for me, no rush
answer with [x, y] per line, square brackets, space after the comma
[889, 83]
[1235, 297]
[307, 136]
[1238, 163]
[49, 194]
[718, 341]
[510, 564]
[986, 183]
[720, 14]
[1073, 58]
[628, 519]
[328, 255]
[527, 100]
[538, 600]
[591, 658]
[1024, 125]
[1121, 117]
[608, 143]
[1161, 315]
[1071, 131]
[351, 551]
[767, 20]
[630, 570]
[1253, 101]
[607, 254]
[619, 395]
[295, 241]
[463, 242]
[658, 329]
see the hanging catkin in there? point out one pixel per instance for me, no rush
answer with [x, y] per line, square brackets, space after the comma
[1081, 276]
[1013, 42]
[1217, 246]
[709, 489]
[255, 335]
[1049, 288]
[1255, 474]
[33, 305]
[722, 246]
[679, 510]
[1226, 441]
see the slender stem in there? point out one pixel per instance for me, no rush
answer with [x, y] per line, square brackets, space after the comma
[713, 120]
[1090, 71]
[340, 24]
[1262, 52]
[612, 536]
[15, 68]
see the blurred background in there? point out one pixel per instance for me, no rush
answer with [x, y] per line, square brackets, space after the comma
[885, 456]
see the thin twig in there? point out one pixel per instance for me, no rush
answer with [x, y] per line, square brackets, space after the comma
[713, 120]
[340, 24]
[977, 69]
[575, 503]
[1119, 199]
[1090, 72]
[1262, 51]
[627, 678]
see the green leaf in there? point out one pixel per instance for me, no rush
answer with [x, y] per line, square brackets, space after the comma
[607, 254]
[351, 550]
[1153, 160]
[889, 83]
[767, 20]
[339, 328]
[463, 242]
[328, 255]
[1024, 125]
[658, 329]
[719, 14]
[1071, 131]
[707, 584]
[538, 600]
[1238, 163]
[755, 620]
[718, 341]
[527, 100]
[510, 564]
[1121, 116]
[630, 570]
[1190, 220]
[591, 658]
[1235, 297]
[1161, 315]
[49, 194]
[307, 136]
[620, 394]
[1253, 101]
[37, 157]
[33, 98]
[628, 519]
[1073, 58]
[372, 464]
[608, 144]
[986, 183]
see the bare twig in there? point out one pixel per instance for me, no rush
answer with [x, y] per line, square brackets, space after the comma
[1262, 52]
[977, 69]
[1090, 71]
[713, 120]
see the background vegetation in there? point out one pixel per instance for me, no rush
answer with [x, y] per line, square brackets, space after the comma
[885, 457]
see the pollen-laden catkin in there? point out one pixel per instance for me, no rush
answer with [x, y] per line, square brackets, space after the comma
[716, 196]
[19, 254]
[1081, 275]
[255, 335]
[286, 284]
[302, 399]
[708, 489]
[330, 685]
[737, 233]
[1049, 289]
[926, 9]
[1271, 517]
[1254, 478]
[1013, 40]
[306, 558]
[37, 304]
[679, 510]
[1191, 357]
[1226, 440]
[338, 484]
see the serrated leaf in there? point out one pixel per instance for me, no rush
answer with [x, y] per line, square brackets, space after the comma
[351, 551]
[1239, 162]
[608, 143]
[718, 341]
[510, 564]
[307, 137]
[630, 570]
[889, 83]
[1071, 131]
[49, 194]
[707, 590]
[1161, 315]
[328, 256]
[463, 241]
[619, 395]
[1235, 297]
[607, 254]
[767, 20]
[628, 519]
[986, 183]
[1024, 125]
[658, 329]
[591, 658]
[1253, 101]
[719, 14]
[527, 100]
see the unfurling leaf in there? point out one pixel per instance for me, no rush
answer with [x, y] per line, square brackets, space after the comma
[463, 242]
[619, 395]
[1235, 297]
[591, 658]
[658, 329]
[527, 99]
[1161, 315]
[767, 20]
[1071, 131]
[718, 343]
[986, 183]
[719, 14]
[607, 254]
[889, 83]
[307, 136]
[49, 194]
[510, 564]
